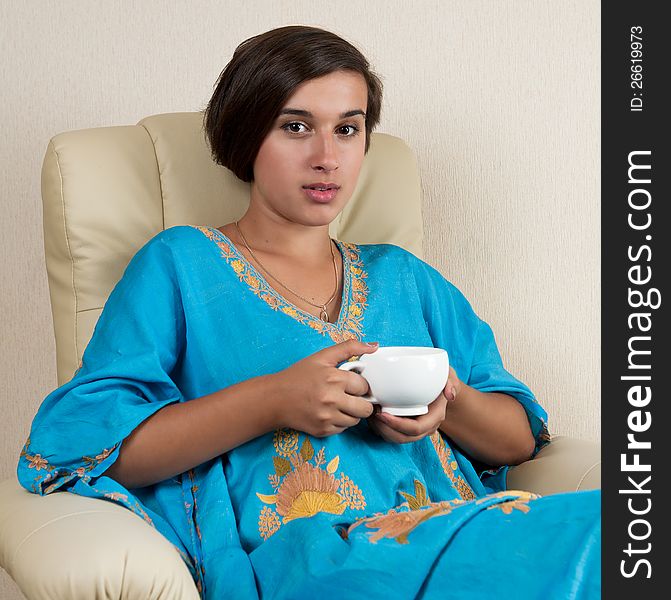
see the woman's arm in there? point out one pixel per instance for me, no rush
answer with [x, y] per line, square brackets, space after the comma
[183, 435]
[491, 427]
[312, 395]
[495, 415]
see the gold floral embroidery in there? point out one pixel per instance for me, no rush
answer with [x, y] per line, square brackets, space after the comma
[420, 499]
[269, 522]
[95, 461]
[122, 499]
[351, 326]
[117, 496]
[397, 523]
[520, 503]
[351, 493]
[303, 489]
[37, 462]
[450, 467]
[104, 454]
[285, 441]
[292, 312]
[306, 491]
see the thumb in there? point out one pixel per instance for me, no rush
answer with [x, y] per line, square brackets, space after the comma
[338, 353]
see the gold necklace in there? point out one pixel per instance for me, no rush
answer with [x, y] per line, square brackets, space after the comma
[323, 315]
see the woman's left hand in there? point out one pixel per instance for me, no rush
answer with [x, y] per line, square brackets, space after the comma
[402, 430]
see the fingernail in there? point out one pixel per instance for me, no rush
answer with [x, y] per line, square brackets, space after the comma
[373, 344]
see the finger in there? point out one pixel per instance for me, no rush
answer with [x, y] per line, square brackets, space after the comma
[357, 406]
[374, 425]
[450, 389]
[344, 421]
[384, 431]
[425, 424]
[419, 425]
[338, 353]
[405, 425]
[431, 420]
[391, 434]
[355, 384]
[332, 430]
[437, 410]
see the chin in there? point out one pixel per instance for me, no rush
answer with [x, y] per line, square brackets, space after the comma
[323, 221]
[322, 215]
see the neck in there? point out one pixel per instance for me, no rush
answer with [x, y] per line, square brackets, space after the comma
[294, 241]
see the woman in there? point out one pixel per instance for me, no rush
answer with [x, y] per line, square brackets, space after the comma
[209, 400]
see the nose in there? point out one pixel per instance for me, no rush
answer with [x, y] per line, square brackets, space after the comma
[325, 155]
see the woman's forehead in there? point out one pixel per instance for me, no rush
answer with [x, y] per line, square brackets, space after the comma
[341, 94]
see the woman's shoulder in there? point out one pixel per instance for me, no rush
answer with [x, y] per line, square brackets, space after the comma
[384, 253]
[166, 250]
[181, 234]
[396, 256]
[429, 279]
[173, 240]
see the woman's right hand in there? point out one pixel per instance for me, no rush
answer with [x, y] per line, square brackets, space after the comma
[317, 398]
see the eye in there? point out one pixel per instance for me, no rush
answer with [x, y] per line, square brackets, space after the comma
[294, 127]
[348, 130]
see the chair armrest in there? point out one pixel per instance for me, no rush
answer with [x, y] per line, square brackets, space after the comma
[564, 465]
[71, 547]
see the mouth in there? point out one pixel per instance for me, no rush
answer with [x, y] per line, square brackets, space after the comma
[321, 192]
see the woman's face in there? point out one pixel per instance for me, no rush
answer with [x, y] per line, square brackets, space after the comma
[307, 166]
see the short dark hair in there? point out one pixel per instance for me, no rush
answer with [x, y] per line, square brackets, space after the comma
[259, 79]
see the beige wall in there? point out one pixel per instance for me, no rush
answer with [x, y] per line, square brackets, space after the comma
[500, 101]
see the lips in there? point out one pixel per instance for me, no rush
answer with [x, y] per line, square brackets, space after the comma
[321, 186]
[321, 192]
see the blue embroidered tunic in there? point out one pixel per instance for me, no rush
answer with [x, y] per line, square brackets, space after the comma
[287, 515]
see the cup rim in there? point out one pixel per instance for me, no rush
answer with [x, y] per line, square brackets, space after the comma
[406, 351]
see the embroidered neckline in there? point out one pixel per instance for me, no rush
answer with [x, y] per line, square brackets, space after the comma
[354, 296]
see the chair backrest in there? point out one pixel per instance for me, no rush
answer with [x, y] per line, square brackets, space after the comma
[106, 191]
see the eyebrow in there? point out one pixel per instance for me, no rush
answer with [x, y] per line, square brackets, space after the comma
[307, 113]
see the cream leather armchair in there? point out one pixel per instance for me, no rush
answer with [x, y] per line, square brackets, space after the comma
[106, 192]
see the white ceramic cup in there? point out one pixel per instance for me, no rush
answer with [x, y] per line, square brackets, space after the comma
[403, 380]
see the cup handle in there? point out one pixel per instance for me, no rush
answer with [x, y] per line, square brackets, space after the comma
[358, 367]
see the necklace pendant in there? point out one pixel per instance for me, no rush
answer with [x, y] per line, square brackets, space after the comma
[323, 315]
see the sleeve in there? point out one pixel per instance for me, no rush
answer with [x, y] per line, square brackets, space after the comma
[125, 377]
[469, 341]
